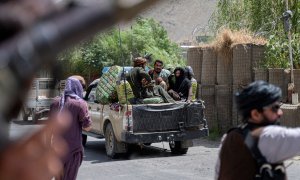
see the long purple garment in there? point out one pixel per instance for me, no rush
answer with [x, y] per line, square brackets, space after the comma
[71, 102]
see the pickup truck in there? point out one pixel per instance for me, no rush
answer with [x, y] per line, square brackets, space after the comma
[39, 99]
[123, 125]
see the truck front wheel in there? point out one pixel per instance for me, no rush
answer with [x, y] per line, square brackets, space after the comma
[177, 148]
[110, 141]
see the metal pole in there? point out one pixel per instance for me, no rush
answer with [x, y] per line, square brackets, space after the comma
[290, 46]
[291, 56]
[124, 73]
[292, 96]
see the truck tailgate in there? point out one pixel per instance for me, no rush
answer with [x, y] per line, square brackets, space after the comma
[167, 117]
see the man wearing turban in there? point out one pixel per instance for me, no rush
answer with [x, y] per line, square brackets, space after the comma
[142, 85]
[257, 148]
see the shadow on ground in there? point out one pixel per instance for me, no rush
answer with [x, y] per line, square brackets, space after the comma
[207, 143]
[30, 122]
[95, 152]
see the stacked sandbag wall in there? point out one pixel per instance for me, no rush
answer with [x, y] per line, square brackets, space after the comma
[224, 91]
[247, 64]
[242, 66]
[224, 107]
[236, 117]
[207, 94]
[246, 61]
[221, 78]
[209, 67]
[280, 78]
[261, 74]
[207, 87]
[258, 55]
[297, 81]
[224, 69]
[291, 115]
[194, 59]
[241, 75]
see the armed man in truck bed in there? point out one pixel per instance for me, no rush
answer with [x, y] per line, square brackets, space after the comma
[142, 85]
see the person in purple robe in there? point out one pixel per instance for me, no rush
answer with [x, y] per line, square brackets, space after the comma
[72, 106]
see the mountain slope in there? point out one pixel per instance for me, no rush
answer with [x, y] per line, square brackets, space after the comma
[182, 17]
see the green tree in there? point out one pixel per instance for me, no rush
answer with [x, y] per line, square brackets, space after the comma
[145, 36]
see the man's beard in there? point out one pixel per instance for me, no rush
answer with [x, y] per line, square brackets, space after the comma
[266, 121]
[157, 70]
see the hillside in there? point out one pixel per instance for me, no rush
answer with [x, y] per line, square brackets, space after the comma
[182, 17]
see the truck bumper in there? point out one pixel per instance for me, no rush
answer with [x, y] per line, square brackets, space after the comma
[152, 137]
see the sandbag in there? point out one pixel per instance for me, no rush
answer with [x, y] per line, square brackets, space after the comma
[153, 100]
[123, 89]
[106, 89]
[194, 88]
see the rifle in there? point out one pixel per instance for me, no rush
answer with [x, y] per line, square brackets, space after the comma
[25, 54]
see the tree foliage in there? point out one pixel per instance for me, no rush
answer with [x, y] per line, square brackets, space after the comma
[263, 18]
[105, 49]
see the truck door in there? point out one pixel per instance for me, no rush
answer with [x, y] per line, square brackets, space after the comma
[95, 110]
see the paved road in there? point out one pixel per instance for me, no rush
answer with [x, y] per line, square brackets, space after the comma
[149, 163]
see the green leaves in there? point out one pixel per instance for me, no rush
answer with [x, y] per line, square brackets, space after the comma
[277, 53]
[145, 36]
[264, 18]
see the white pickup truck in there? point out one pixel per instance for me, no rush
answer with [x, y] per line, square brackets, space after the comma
[39, 99]
[123, 125]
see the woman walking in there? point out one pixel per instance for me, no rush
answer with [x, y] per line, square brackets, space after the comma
[71, 106]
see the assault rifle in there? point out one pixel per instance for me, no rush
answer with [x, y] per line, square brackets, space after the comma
[23, 55]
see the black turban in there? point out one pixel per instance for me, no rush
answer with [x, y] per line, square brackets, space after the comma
[257, 95]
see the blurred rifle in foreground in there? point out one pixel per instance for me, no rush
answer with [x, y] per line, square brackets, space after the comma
[23, 55]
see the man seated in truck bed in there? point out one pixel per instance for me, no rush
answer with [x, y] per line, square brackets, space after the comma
[159, 74]
[180, 86]
[142, 86]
